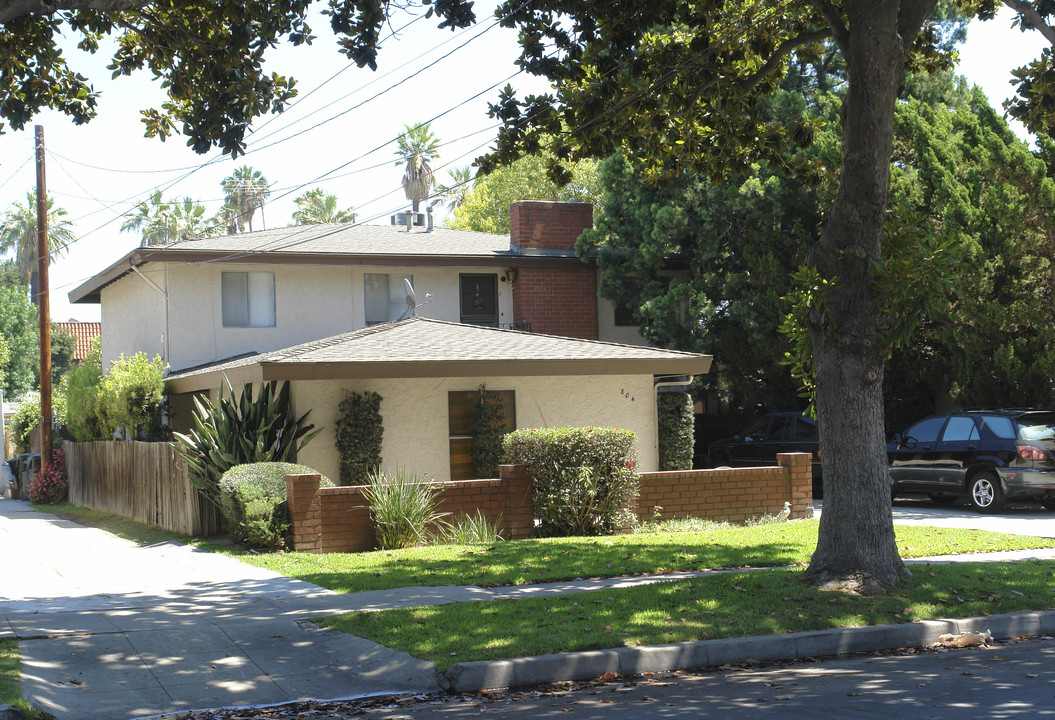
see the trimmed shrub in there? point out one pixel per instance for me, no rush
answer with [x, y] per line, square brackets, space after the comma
[585, 478]
[358, 436]
[676, 431]
[86, 415]
[402, 508]
[253, 501]
[26, 419]
[51, 485]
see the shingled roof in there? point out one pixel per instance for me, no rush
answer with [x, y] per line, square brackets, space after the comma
[348, 243]
[422, 347]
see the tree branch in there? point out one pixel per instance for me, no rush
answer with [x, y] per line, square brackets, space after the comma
[13, 9]
[1030, 13]
[910, 18]
[784, 49]
[839, 31]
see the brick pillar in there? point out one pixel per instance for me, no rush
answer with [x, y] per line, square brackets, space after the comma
[304, 511]
[800, 481]
[519, 489]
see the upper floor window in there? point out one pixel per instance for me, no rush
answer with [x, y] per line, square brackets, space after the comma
[479, 299]
[385, 297]
[248, 299]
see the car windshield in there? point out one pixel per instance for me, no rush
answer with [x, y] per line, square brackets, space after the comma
[1037, 427]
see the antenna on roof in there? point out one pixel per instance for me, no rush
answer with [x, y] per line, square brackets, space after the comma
[412, 300]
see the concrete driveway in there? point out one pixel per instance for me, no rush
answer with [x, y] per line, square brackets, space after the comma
[1016, 518]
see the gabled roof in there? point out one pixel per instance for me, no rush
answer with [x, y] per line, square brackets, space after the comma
[349, 244]
[422, 347]
[83, 333]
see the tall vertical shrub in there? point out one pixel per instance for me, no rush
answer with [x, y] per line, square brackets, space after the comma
[488, 428]
[132, 394]
[676, 431]
[358, 436]
[86, 414]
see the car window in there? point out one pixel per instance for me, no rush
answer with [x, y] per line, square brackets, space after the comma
[804, 430]
[758, 429]
[1037, 427]
[960, 429]
[779, 427]
[926, 431]
[999, 426]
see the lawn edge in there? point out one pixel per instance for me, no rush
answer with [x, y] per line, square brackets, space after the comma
[472, 677]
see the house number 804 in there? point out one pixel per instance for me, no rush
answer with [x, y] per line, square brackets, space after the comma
[625, 394]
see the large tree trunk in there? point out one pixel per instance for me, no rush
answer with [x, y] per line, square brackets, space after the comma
[856, 536]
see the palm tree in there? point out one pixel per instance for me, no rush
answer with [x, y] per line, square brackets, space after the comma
[417, 147]
[19, 233]
[153, 218]
[318, 206]
[461, 183]
[246, 190]
[189, 221]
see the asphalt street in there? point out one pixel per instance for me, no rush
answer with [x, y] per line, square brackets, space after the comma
[1014, 679]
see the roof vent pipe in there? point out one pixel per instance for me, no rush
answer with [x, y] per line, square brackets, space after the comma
[428, 211]
[410, 219]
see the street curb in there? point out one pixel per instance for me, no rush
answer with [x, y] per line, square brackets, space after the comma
[472, 677]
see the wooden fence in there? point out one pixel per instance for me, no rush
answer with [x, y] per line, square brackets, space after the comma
[146, 482]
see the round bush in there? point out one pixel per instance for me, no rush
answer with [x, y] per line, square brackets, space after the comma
[252, 498]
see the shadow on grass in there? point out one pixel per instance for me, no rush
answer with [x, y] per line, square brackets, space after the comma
[729, 605]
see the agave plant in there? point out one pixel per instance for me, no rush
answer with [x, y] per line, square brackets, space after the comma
[241, 430]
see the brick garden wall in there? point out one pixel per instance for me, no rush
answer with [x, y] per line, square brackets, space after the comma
[337, 519]
[730, 494]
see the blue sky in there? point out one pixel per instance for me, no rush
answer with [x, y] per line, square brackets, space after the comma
[338, 136]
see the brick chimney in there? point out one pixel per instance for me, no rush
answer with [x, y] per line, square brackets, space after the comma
[548, 224]
[553, 300]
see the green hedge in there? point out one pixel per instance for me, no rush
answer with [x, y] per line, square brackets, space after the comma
[676, 431]
[585, 478]
[252, 499]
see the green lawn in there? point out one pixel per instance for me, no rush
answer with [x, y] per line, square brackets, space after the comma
[11, 677]
[728, 605]
[552, 559]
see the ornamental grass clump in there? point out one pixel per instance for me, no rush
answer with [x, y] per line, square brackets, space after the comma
[585, 478]
[473, 529]
[402, 508]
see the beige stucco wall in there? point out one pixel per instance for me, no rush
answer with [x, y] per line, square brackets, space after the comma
[133, 318]
[416, 423]
[311, 302]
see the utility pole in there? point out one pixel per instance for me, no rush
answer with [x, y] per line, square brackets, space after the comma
[43, 305]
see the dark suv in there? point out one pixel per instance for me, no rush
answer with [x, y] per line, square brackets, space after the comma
[991, 456]
[759, 443]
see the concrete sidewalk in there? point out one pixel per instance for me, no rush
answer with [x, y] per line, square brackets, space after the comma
[111, 630]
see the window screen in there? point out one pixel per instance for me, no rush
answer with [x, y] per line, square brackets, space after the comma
[247, 299]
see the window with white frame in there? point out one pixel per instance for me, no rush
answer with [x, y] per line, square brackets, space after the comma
[385, 296]
[248, 299]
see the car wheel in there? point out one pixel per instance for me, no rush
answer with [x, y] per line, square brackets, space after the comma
[986, 494]
[1048, 503]
[942, 499]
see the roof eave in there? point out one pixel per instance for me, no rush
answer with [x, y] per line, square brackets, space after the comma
[388, 369]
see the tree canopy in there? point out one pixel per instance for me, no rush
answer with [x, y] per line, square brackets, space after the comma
[18, 327]
[484, 207]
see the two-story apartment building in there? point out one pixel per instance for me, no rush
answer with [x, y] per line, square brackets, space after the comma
[303, 303]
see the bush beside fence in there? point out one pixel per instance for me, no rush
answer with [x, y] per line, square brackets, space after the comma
[146, 482]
